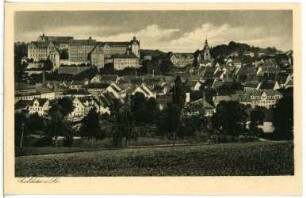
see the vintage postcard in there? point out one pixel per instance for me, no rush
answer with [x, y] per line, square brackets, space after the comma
[195, 99]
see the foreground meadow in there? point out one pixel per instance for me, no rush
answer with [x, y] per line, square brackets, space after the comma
[258, 158]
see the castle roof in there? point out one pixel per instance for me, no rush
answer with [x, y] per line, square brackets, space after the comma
[126, 55]
[59, 39]
[117, 44]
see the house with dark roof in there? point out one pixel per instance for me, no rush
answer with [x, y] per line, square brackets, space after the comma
[76, 93]
[268, 67]
[116, 90]
[219, 75]
[197, 107]
[217, 84]
[234, 61]
[268, 85]
[181, 59]
[208, 83]
[45, 92]
[251, 85]
[96, 88]
[289, 82]
[143, 88]
[105, 78]
[217, 99]
[77, 84]
[194, 85]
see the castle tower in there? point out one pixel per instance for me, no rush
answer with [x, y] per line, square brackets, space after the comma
[135, 47]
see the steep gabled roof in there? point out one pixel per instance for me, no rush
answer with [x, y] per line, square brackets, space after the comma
[97, 85]
[42, 90]
[41, 101]
[267, 84]
[272, 92]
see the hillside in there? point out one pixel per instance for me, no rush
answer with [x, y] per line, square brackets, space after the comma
[221, 51]
[248, 159]
[153, 53]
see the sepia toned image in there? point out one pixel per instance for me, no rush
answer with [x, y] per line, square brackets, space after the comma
[153, 93]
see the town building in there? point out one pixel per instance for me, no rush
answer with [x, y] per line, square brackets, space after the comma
[83, 105]
[45, 92]
[41, 51]
[181, 59]
[143, 88]
[67, 51]
[79, 50]
[48, 47]
[122, 61]
[104, 78]
[39, 106]
[205, 58]
[198, 107]
[262, 98]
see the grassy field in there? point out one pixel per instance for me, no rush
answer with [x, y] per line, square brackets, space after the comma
[258, 158]
[86, 145]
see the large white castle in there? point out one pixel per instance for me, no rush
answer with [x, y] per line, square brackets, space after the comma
[69, 51]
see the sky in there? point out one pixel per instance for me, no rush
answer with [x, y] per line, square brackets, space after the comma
[177, 31]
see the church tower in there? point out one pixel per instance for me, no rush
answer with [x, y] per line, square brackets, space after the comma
[206, 56]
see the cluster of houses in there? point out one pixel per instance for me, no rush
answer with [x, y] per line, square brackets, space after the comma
[251, 79]
[99, 92]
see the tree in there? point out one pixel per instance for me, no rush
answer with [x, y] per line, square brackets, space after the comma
[257, 117]
[108, 69]
[124, 126]
[283, 118]
[152, 111]
[166, 66]
[90, 128]
[20, 129]
[209, 94]
[230, 118]
[48, 65]
[178, 93]
[64, 54]
[35, 123]
[20, 51]
[138, 107]
[170, 120]
[66, 105]
[57, 120]
[144, 111]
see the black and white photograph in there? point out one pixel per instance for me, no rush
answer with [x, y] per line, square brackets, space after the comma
[152, 99]
[153, 93]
